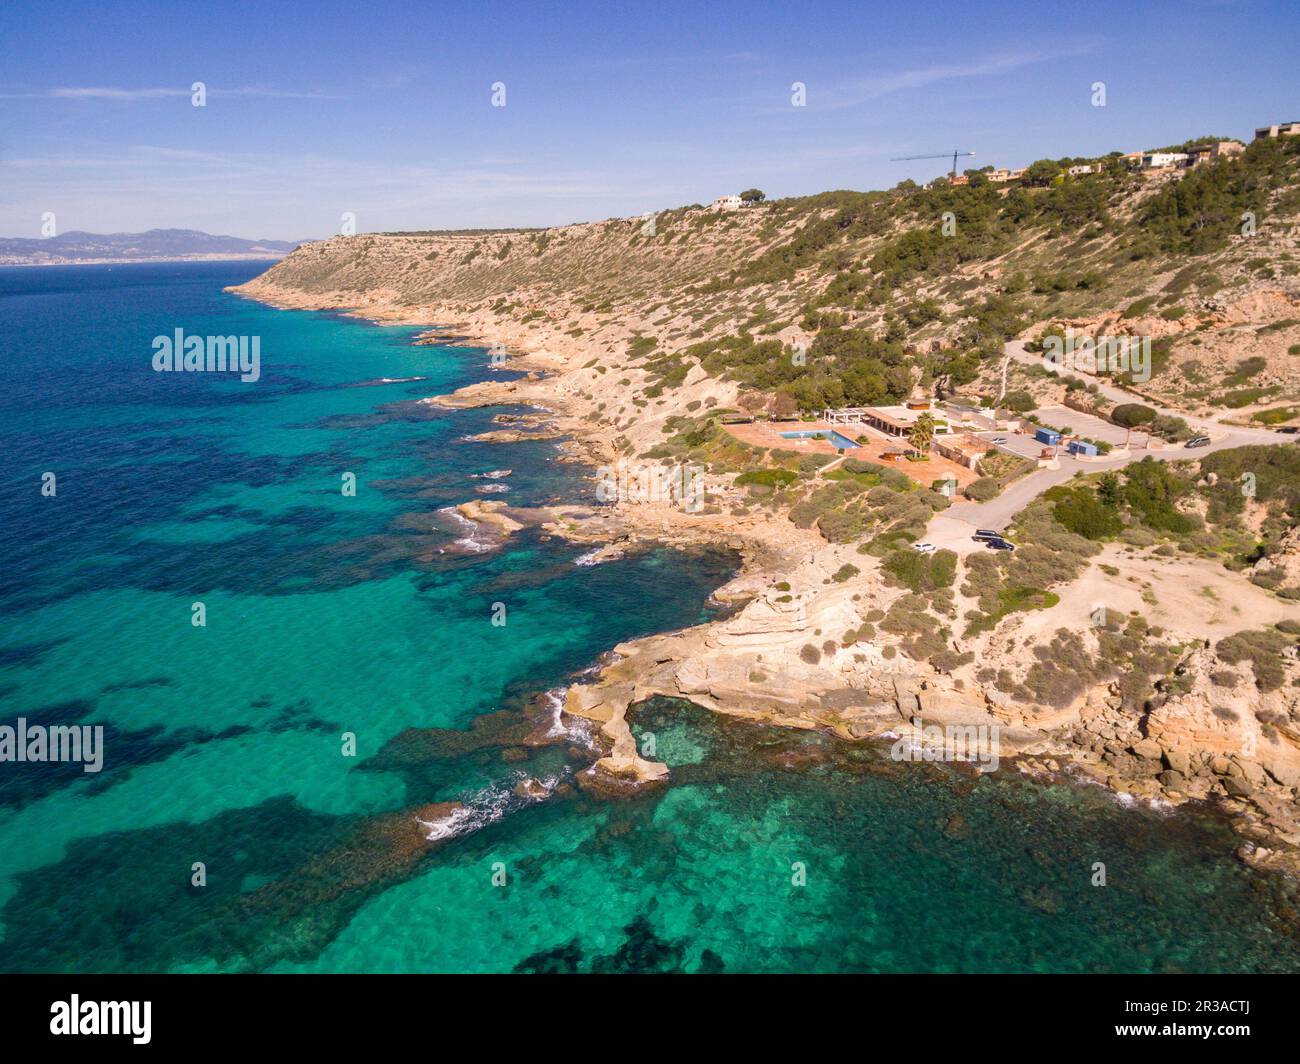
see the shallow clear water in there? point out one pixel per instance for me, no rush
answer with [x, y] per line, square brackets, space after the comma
[329, 614]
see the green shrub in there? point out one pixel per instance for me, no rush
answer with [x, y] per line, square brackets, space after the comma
[1245, 370]
[1152, 490]
[1246, 397]
[1019, 402]
[1276, 416]
[982, 490]
[920, 572]
[1131, 415]
[772, 478]
[946, 660]
[1140, 307]
[1080, 511]
[1263, 649]
[845, 572]
[1171, 428]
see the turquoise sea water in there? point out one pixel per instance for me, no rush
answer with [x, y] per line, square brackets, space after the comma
[371, 615]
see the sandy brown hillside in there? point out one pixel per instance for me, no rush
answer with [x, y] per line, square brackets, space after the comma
[553, 274]
[943, 274]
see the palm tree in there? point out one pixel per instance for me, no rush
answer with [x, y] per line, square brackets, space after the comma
[921, 433]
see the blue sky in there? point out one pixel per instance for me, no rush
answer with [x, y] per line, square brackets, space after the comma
[384, 110]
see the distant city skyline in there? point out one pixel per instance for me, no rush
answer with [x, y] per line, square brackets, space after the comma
[318, 111]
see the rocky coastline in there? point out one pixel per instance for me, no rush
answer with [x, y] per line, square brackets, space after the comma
[779, 658]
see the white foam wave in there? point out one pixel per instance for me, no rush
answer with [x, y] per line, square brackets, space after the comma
[486, 807]
[564, 725]
[474, 540]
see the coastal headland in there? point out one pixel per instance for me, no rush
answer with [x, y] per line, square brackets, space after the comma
[1184, 691]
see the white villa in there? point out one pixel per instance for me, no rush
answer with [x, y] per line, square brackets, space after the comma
[896, 420]
[728, 203]
[1163, 160]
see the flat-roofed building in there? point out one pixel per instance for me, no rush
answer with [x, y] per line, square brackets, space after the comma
[981, 418]
[961, 448]
[894, 420]
[1218, 150]
[1163, 160]
[885, 422]
[1282, 129]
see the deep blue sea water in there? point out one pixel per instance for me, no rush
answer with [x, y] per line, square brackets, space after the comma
[371, 615]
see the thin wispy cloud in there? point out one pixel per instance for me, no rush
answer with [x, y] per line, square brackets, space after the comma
[856, 92]
[103, 92]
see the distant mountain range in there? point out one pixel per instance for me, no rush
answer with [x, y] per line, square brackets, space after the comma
[154, 245]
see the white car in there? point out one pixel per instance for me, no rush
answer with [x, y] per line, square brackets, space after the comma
[924, 548]
[998, 439]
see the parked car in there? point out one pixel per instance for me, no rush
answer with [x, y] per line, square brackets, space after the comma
[1290, 430]
[986, 533]
[924, 548]
[1198, 441]
[998, 439]
[999, 544]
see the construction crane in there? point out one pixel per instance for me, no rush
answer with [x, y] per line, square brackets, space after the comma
[913, 158]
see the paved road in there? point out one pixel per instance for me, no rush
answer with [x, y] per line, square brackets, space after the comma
[997, 513]
[964, 517]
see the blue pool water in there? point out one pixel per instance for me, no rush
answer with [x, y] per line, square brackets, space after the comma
[820, 434]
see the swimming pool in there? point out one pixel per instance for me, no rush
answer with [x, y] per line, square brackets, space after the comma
[820, 434]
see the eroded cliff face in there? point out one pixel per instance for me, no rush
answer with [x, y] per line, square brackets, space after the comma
[797, 654]
[1186, 747]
